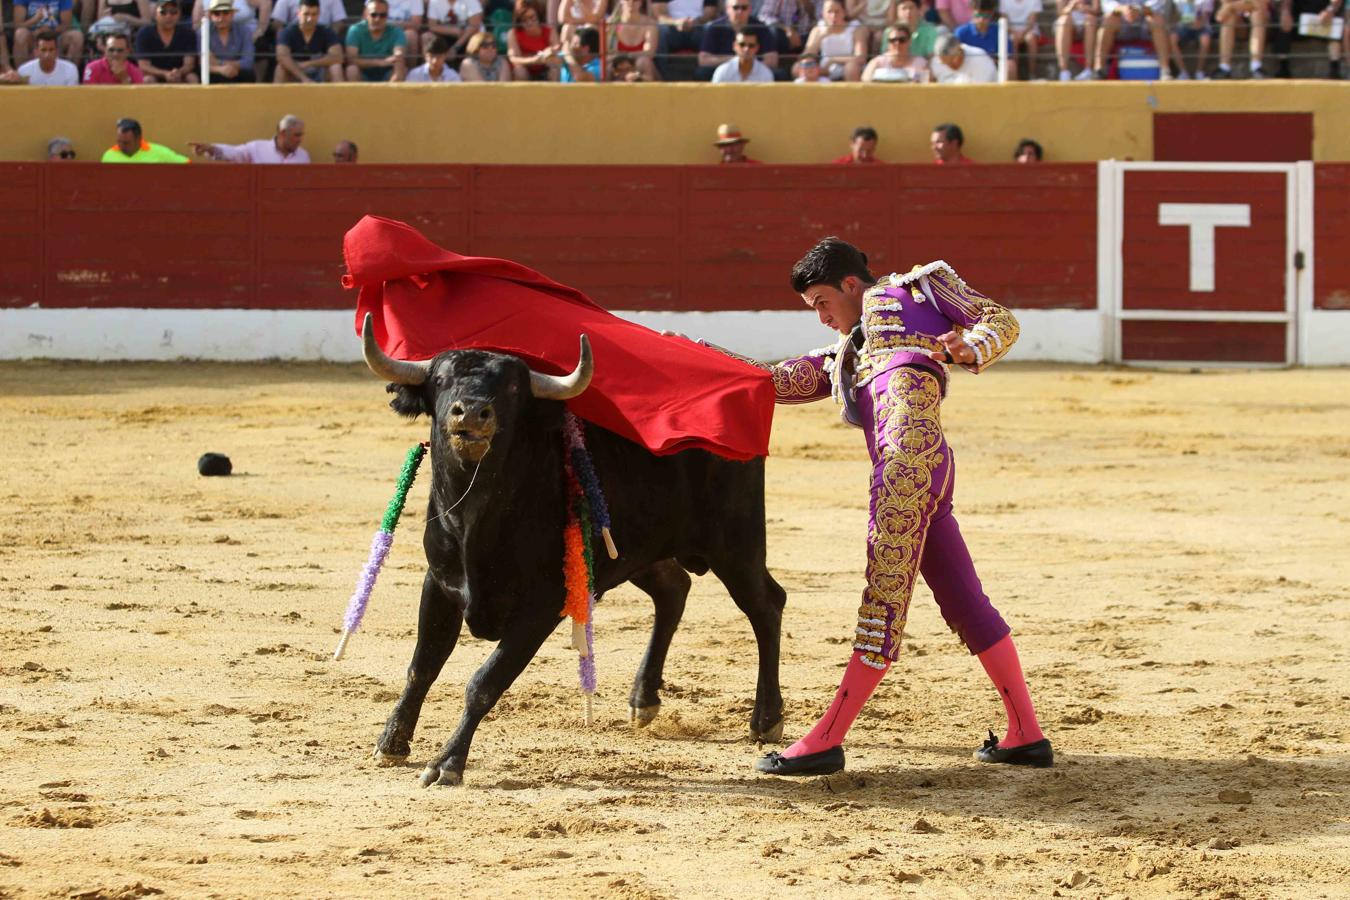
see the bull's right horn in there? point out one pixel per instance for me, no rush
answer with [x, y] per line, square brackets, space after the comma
[396, 370]
[565, 387]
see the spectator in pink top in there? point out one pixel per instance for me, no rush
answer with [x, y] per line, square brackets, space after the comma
[284, 147]
[115, 67]
[955, 13]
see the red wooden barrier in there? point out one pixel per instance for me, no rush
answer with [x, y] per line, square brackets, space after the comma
[633, 237]
[1331, 230]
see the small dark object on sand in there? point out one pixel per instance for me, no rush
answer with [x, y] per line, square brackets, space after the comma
[214, 464]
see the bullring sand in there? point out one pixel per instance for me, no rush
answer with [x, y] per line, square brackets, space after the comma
[1172, 550]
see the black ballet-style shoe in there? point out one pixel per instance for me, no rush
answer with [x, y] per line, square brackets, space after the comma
[826, 762]
[1039, 754]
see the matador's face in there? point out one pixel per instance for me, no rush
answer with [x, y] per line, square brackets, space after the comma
[839, 308]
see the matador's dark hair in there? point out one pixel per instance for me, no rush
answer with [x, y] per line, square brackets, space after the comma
[830, 262]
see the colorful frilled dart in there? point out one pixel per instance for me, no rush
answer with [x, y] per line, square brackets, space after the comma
[379, 548]
[585, 509]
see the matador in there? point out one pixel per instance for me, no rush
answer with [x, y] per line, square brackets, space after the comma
[889, 373]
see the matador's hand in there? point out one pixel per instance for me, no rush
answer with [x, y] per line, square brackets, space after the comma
[958, 351]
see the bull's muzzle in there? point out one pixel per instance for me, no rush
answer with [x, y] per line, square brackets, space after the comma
[470, 426]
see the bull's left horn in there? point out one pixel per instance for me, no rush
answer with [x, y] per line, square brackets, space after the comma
[565, 387]
[396, 370]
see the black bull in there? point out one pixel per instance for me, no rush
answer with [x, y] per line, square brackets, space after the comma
[494, 536]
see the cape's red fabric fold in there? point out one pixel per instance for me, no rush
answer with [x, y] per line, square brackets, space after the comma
[667, 394]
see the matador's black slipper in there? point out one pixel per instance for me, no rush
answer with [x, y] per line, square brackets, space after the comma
[826, 762]
[1040, 754]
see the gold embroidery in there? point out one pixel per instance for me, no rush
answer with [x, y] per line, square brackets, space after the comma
[910, 447]
[993, 329]
[799, 380]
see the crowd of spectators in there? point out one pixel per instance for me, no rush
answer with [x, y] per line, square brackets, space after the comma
[67, 42]
[946, 140]
[130, 146]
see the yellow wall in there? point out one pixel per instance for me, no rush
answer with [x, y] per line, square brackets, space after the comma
[657, 124]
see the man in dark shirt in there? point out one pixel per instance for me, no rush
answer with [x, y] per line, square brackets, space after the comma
[308, 51]
[167, 50]
[720, 35]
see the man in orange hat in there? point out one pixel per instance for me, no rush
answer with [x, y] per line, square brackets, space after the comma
[732, 144]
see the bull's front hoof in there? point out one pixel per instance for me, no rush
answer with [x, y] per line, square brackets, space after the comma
[385, 758]
[771, 735]
[433, 775]
[642, 716]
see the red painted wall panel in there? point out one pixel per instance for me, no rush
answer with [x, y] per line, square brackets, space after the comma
[1249, 262]
[1221, 342]
[1331, 236]
[633, 237]
[1232, 137]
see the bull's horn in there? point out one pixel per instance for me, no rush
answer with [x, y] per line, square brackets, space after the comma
[565, 387]
[390, 369]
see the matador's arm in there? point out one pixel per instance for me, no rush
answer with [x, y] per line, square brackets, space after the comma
[988, 328]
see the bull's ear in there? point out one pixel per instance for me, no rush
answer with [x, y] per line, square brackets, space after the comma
[409, 400]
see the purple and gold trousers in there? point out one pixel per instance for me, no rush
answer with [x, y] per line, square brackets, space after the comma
[911, 529]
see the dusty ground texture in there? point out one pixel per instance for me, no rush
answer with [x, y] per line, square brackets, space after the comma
[1171, 550]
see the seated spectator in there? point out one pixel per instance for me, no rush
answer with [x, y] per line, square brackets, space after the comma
[131, 14]
[245, 15]
[952, 14]
[60, 149]
[623, 69]
[1195, 26]
[876, 16]
[1028, 151]
[955, 63]
[56, 16]
[530, 45]
[982, 31]
[1256, 18]
[1319, 14]
[483, 63]
[743, 67]
[1024, 33]
[682, 24]
[862, 148]
[132, 147]
[947, 141]
[46, 69]
[231, 49]
[807, 69]
[167, 50]
[5, 67]
[308, 51]
[282, 147]
[581, 60]
[331, 13]
[434, 70]
[923, 33]
[575, 14]
[791, 21]
[116, 66]
[635, 34]
[345, 152]
[375, 50]
[406, 16]
[721, 34]
[1076, 19]
[841, 43]
[1133, 21]
[732, 143]
[455, 20]
[897, 64]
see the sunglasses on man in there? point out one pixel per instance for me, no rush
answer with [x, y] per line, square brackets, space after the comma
[67, 154]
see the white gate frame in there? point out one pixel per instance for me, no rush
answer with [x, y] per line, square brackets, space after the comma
[1110, 270]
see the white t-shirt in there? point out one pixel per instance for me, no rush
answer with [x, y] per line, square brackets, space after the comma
[330, 11]
[1018, 11]
[729, 72]
[976, 68]
[64, 75]
[439, 10]
[404, 10]
[423, 75]
[685, 9]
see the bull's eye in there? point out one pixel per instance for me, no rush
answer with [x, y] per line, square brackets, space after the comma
[440, 381]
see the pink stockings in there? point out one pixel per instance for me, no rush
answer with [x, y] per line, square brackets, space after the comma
[860, 680]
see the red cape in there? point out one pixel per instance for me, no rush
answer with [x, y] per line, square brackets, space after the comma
[667, 394]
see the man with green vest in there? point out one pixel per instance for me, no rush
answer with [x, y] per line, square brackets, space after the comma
[132, 148]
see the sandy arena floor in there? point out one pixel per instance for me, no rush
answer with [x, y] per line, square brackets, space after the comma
[1171, 550]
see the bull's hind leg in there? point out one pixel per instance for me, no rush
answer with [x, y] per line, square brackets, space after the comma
[438, 625]
[667, 584]
[762, 600]
[522, 641]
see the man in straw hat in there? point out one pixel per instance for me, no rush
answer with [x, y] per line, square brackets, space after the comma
[732, 144]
